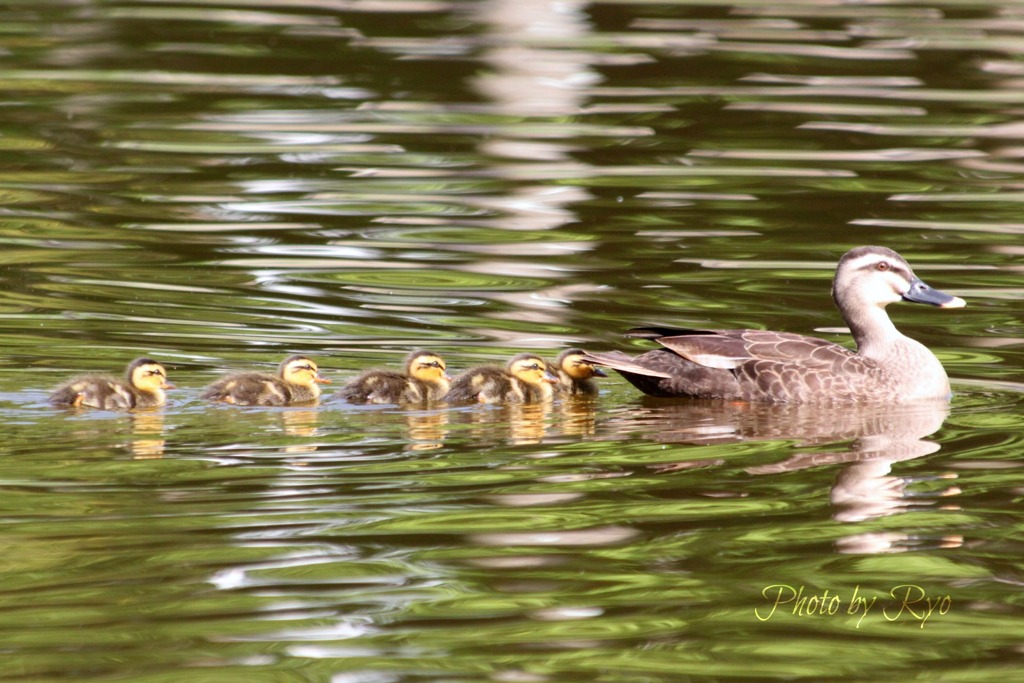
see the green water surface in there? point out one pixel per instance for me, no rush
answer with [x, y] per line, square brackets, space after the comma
[219, 184]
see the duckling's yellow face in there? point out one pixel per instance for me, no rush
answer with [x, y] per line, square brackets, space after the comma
[428, 368]
[150, 377]
[302, 371]
[532, 370]
[576, 367]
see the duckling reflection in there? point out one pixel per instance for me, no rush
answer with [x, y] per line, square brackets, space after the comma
[147, 440]
[516, 423]
[878, 436]
[426, 428]
[415, 428]
[301, 423]
[141, 434]
[577, 417]
[528, 422]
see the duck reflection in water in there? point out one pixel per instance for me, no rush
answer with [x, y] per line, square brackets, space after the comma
[303, 423]
[516, 423]
[148, 439]
[577, 416]
[141, 433]
[864, 489]
[427, 429]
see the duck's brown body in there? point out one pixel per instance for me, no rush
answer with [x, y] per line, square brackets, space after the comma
[143, 387]
[424, 381]
[780, 367]
[760, 365]
[295, 382]
[525, 379]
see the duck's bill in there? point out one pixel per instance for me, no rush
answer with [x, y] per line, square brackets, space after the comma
[320, 379]
[921, 293]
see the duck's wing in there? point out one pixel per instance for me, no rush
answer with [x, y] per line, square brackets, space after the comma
[663, 372]
[731, 349]
[741, 364]
[780, 366]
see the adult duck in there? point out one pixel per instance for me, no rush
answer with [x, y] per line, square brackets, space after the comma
[759, 365]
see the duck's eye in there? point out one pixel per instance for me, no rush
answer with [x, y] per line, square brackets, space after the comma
[882, 266]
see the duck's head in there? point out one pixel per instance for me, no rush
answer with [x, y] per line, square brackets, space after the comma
[531, 369]
[145, 374]
[877, 277]
[302, 371]
[426, 366]
[573, 362]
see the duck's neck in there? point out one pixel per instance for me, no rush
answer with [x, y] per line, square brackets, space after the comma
[305, 392]
[911, 365]
[877, 338]
[155, 397]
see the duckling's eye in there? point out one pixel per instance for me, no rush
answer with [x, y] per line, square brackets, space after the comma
[882, 266]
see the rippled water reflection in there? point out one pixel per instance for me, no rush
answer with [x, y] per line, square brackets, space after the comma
[223, 183]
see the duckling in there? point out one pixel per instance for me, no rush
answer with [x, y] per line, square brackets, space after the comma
[424, 381]
[524, 379]
[296, 382]
[575, 374]
[144, 388]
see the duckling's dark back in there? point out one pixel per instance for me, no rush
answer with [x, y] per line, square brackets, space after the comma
[95, 391]
[481, 384]
[249, 389]
[377, 386]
